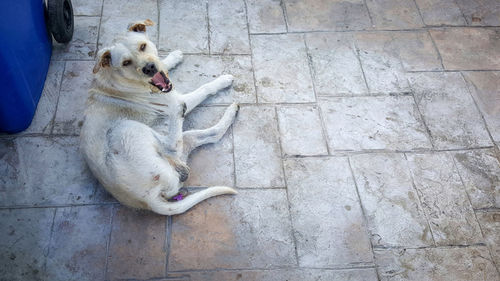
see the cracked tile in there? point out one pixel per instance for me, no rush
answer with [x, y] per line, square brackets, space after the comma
[228, 34]
[394, 14]
[183, 26]
[391, 204]
[138, 248]
[325, 15]
[480, 172]
[444, 199]
[196, 70]
[449, 111]
[483, 86]
[83, 44]
[460, 264]
[490, 225]
[301, 130]
[281, 69]
[256, 148]
[76, 82]
[324, 188]
[78, 244]
[25, 236]
[248, 230]
[265, 16]
[468, 48]
[440, 12]
[387, 122]
[337, 71]
[210, 164]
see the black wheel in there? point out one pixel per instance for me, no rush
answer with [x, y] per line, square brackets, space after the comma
[61, 19]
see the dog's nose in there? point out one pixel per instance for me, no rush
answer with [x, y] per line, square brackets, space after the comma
[149, 69]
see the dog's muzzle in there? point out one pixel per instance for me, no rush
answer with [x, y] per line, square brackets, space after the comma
[161, 81]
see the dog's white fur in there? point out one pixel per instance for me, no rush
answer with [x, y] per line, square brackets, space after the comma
[132, 136]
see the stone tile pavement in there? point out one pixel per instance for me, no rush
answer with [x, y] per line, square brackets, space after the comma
[366, 148]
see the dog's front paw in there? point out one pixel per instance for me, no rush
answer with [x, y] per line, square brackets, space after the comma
[177, 56]
[225, 81]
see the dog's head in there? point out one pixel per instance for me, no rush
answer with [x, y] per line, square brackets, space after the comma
[133, 59]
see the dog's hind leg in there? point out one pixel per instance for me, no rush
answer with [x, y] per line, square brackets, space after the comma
[172, 60]
[194, 138]
[196, 97]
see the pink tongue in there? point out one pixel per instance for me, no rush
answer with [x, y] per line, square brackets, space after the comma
[159, 81]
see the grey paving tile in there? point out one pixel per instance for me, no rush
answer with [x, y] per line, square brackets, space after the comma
[25, 236]
[228, 27]
[76, 82]
[394, 14]
[137, 248]
[481, 12]
[281, 69]
[305, 15]
[265, 16]
[464, 264]
[9, 166]
[196, 70]
[256, 148]
[78, 244]
[301, 131]
[444, 199]
[368, 274]
[440, 12]
[387, 122]
[449, 111]
[324, 188]
[115, 26]
[490, 225]
[386, 55]
[87, 7]
[391, 204]
[135, 10]
[42, 121]
[250, 229]
[84, 42]
[49, 171]
[211, 164]
[483, 85]
[183, 26]
[337, 71]
[480, 172]
[468, 48]
[381, 63]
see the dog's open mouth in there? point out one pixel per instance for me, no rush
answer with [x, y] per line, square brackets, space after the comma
[161, 81]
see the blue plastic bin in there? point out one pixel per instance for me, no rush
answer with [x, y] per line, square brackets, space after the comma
[25, 51]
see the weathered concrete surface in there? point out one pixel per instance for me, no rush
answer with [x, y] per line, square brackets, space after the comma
[366, 148]
[436, 264]
[326, 215]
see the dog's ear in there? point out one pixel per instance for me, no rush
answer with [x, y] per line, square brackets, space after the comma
[104, 60]
[140, 26]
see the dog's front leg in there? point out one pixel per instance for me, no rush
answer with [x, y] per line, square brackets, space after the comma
[173, 59]
[196, 97]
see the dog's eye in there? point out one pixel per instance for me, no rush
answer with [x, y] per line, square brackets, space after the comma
[142, 47]
[126, 62]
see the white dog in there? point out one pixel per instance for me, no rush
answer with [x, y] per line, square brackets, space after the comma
[132, 137]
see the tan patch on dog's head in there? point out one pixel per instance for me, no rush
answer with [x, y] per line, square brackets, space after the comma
[104, 61]
[140, 26]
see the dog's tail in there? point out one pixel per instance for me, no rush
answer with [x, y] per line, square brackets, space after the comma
[160, 206]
